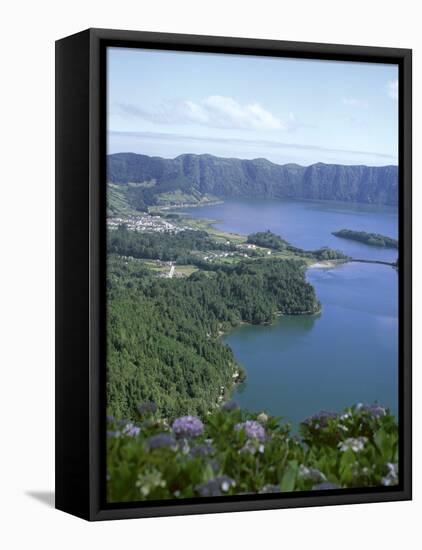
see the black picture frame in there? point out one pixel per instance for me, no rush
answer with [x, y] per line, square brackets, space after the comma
[80, 271]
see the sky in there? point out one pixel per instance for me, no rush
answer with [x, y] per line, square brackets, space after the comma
[162, 103]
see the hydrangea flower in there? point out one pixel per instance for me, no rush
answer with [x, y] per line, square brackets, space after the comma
[160, 441]
[392, 478]
[253, 429]
[374, 410]
[187, 426]
[320, 419]
[311, 474]
[248, 447]
[252, 446]
[131, 430]
[201, 450]
[356, 444]
[149, 481]
[262, 417]
[215, 487]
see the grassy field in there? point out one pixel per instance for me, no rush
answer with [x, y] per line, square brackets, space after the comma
[235, 238]
[157, 267]
[117, 203]
[177, 198]
[208, 226]
[186, 269]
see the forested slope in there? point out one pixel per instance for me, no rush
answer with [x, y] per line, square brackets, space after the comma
[190, 178]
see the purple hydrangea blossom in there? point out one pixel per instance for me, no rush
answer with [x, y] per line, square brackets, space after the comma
[320, 419]
[131, 430]
[201, 450]
[187, 426]
[253, 446]
[253, 429]
[311, 474]
[215, 487]
[374, 410]
[160, 441]
[356, 444]
[392, 477]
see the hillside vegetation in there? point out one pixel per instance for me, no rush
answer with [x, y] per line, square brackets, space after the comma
[146, 181]
[268, 240]
[163, 335]
[192, 246]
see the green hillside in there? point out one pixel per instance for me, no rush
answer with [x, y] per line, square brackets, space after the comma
[195, 178]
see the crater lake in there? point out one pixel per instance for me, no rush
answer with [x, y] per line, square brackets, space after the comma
[346, 354]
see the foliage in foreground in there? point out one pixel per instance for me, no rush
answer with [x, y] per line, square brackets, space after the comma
[233, 452]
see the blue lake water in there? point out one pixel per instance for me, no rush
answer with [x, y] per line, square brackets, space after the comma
[306, 224]
[346, 354]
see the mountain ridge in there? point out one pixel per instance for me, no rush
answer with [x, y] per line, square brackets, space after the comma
[196, 177]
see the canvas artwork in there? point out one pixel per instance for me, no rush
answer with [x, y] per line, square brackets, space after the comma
[252, 333]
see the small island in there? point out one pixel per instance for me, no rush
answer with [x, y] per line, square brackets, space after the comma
[371, 239]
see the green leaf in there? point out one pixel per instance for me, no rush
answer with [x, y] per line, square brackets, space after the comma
[208, 473]
[289, 477]
[384, 443]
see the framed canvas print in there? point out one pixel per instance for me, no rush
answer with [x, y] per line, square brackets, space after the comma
[233, 274]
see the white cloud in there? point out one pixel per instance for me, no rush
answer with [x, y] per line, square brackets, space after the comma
[393, 89]
[353, 102]
[214, 111]
[226, 112]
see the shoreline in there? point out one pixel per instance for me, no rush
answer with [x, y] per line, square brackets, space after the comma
[189, 205]
[295, 199]
[326, 264]
[209, 225]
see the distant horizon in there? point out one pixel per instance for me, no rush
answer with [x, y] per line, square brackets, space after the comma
[287, 110]
[251, 159]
